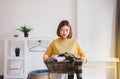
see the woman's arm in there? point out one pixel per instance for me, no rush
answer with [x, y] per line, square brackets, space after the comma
[48, 53]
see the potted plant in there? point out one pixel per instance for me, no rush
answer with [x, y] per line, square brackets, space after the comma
[17, 51]
[25, 29]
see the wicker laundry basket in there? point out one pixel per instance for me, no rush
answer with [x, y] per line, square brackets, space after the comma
[57, 67]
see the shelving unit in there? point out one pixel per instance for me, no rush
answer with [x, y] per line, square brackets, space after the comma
[15, 66]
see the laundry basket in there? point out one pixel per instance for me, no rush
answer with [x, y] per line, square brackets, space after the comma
[39, 74]
[57, 67]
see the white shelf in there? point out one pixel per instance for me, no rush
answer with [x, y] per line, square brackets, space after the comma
[15, 76]
[101, 60]
[15, 66]
[28, 38]
[104, 59]
[16, 58]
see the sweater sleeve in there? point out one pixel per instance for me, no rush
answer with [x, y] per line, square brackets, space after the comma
[80, 51]
[49, 51]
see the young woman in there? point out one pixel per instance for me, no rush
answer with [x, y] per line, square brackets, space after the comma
[65, 43]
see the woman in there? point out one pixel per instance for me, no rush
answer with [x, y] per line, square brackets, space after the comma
[65, 43]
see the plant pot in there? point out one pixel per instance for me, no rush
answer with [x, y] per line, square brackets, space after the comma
[26, 34]
[17, 51]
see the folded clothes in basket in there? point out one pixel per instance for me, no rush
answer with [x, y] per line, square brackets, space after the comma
[68, 56]
[57, 58]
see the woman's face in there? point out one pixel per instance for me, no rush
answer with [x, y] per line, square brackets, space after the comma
[64, 31]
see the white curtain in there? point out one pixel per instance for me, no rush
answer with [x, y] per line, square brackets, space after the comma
[118, 35]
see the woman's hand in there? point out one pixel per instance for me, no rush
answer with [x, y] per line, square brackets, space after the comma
[84, 60]
[45, 58]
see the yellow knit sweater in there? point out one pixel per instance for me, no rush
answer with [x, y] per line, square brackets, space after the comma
[59, 46]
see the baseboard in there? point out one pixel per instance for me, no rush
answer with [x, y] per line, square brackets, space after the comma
[1, 76]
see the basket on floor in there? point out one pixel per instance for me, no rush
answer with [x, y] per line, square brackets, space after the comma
[57, 67]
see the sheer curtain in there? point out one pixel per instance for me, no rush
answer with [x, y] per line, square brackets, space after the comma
[118, 35]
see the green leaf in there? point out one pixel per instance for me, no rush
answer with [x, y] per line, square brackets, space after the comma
[25, 28]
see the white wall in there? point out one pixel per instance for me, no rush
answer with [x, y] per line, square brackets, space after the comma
[96, 27]
[92, 21]
[96, 33]
[42, 15]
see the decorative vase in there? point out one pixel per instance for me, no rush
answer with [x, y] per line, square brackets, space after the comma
[26, 34]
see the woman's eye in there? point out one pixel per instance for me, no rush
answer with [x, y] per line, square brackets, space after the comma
[61, 30]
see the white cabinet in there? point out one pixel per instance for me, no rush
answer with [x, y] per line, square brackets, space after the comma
[15, 67]
[18, 67]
